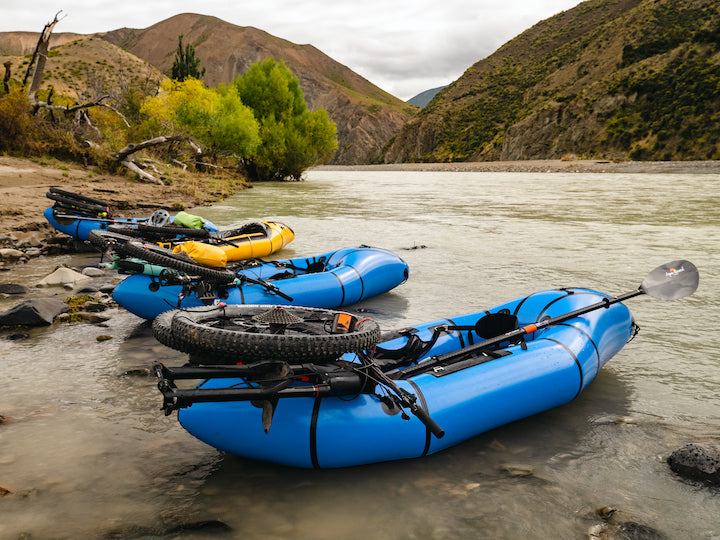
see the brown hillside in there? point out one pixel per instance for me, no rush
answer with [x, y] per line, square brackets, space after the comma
[80, 67]
[22, 43]
[366, 116]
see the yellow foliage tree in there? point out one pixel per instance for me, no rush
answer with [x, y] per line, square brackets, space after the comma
[214, 117]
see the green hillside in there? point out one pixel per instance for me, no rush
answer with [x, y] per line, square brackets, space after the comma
[608, 78]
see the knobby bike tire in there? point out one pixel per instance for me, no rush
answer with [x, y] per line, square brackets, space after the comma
[203, 333]
[162, 330]
[78, 196]
[105, 240]
[76, 203]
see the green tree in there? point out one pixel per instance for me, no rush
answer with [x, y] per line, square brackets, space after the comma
[186, 64]
[292, 138]
[216, 118]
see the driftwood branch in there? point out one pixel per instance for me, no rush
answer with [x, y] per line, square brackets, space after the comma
[134, 167]
[81, 117]
[136, 147]
[123, 155]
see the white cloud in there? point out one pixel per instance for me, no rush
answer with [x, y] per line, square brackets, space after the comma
[404, 47]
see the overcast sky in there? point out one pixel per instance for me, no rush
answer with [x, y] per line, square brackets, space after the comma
[402, 46]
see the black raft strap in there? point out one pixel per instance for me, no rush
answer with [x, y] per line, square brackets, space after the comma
[409, 353]
[488, 326]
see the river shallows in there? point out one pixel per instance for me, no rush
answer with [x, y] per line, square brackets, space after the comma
[89, 454]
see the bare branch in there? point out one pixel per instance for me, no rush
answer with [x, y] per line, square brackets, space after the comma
[81, 116]
[195, 147]
[46, 105]
[113, 109]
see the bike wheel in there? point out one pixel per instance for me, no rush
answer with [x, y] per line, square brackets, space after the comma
[248, 333]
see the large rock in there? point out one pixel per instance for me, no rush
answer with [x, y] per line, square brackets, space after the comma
[697, 461]
[63, 276]
[34, 312]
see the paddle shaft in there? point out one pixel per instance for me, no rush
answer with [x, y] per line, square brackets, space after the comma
[530, 328]
[75, 217]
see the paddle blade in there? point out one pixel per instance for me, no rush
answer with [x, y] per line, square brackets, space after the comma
[671, 281]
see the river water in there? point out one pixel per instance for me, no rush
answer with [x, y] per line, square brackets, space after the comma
[87, 452]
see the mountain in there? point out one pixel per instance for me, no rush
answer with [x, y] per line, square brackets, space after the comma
[366, 116]
[423, 98]
[86, 66]
[609, 78]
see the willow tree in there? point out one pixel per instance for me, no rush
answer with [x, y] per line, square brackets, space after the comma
[292, 138]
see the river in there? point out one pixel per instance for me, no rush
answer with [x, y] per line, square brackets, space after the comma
[88, 453]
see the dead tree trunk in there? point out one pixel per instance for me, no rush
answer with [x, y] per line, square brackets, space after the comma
[6, 79]
[39, 58]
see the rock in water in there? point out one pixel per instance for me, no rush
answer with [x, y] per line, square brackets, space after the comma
[63, 276]
[12, 288]
[697, 461]
[34, 312]
[92, 271]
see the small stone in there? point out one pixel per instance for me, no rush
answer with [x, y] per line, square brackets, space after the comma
[92, 317]
[85, 289]
[13, 288]
[517, 470]
[94, 307]
[17, 337]
[605, 512]
[92, 271]
[11, 254]
[137, 372]
[103, 337]
[30, 239]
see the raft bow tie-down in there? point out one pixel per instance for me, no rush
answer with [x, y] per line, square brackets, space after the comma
[317, 389]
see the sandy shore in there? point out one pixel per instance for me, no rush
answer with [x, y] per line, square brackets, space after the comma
[24, 183]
